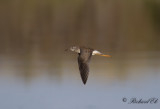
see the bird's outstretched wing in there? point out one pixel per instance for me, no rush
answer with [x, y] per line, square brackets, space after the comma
[83, 62]
[84, 71]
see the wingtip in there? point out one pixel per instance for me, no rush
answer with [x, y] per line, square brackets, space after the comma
[84, 82]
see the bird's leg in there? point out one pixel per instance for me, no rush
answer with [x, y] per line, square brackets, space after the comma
[95, 52]
[108, 56]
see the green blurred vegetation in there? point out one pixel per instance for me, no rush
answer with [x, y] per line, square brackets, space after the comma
[47, 26]
[154, 8]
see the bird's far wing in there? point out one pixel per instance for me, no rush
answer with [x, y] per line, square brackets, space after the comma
[84, 70]
[83, 62]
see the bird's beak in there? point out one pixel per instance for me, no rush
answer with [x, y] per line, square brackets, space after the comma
[66, 49]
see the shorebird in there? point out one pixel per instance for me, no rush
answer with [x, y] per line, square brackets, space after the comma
[84, 56]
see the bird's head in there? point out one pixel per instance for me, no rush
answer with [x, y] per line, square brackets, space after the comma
[74, 49]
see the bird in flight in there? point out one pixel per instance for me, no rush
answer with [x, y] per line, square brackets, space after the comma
[84, 56]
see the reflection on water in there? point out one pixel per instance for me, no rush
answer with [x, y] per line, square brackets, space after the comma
[39, 84]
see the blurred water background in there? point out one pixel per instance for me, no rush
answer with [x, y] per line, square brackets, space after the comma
[36, 72]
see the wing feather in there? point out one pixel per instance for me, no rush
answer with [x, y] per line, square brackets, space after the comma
[84, 70]
[83, 62]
